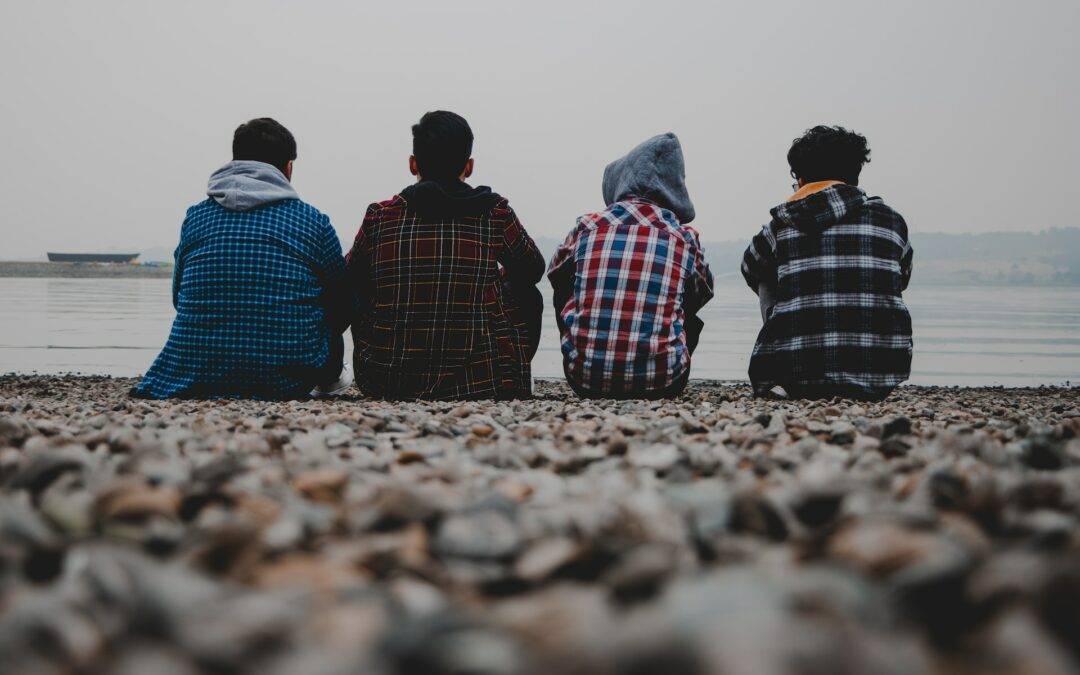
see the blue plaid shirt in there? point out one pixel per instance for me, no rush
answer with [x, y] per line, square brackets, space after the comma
[252, 290]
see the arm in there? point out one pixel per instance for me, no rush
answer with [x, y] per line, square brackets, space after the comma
[358, 262]
[330, 269]
[520, 258]
[178, 266]
[759, 261]
[699, 290]
[906, 259]
[177, 269]
[561, 274]
[905, 268]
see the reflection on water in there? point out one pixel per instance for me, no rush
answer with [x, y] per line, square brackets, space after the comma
[963, 335]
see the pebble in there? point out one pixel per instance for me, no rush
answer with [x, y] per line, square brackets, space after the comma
[321, 485]
[486, 533]
[937, 531]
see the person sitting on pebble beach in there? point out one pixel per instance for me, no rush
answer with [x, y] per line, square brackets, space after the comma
[629, 280]
[446, 278]
[829, 270]
[259, 286]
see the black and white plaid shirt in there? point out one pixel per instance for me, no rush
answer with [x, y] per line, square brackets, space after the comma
[837, 262]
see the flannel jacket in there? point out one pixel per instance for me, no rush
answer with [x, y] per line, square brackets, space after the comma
[624, 282]
[435, 321]
[257, 296]
[837, 262]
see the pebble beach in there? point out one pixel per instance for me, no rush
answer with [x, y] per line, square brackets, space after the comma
[935, 532]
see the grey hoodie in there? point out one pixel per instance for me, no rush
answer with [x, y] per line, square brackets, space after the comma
[655, 171]
[243, 185]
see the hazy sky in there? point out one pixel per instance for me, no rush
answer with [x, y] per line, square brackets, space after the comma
[114, 113]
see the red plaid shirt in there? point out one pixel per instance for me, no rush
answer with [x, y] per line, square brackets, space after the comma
[624, 279]
[434, 320]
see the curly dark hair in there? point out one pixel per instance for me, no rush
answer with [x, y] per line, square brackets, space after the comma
[829, 153]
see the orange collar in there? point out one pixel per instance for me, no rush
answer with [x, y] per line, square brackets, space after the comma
[810, 188]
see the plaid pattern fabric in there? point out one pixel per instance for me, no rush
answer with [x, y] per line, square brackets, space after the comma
[631, 273]
[250, 289]
[437, 323]
[838, 261]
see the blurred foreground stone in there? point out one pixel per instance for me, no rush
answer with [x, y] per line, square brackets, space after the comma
[934, 532]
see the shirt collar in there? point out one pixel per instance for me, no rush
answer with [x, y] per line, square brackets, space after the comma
[811, 188]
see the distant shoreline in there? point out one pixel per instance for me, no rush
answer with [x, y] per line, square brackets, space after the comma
[52, 270]
[31, 269]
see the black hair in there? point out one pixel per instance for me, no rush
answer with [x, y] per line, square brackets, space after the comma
[442, 144]
[264, 140]
[829, 153]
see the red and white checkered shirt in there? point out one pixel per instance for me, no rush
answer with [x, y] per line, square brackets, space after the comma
[629, 274]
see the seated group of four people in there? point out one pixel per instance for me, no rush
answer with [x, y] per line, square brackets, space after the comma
[440, 286]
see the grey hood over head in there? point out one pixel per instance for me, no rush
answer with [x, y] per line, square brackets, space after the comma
[243, 185]
[655, 171]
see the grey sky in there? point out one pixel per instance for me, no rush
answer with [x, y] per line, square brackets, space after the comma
[114, 113]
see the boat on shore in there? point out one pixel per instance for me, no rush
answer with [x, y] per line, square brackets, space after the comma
[92, 257]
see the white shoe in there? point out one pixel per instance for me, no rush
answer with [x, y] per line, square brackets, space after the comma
[337, 387]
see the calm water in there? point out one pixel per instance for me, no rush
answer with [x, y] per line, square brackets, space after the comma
[963, 335]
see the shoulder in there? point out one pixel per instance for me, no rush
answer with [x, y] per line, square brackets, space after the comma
[501, 209]
[877, 207]
[690, 235]
[612, 214]
[880, 214]
[667, 218]
[386, 208]
[302, 218]
[203, 217]
[303, 211]
[201, 208]
[774, 230]
[662, 219]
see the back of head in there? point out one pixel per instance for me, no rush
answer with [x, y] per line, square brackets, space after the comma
[654, 170]
[442, 144]
[264, 140]
[829, 153]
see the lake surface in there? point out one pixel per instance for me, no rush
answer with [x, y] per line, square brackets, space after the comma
[1014, 336]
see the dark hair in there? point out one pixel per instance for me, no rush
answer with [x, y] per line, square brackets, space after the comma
[829, 153]
[442, 144]
[264, 140]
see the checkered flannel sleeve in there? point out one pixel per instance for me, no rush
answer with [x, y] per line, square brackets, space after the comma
[329, 266]
[905, 264]
[560, 273]
[178, 263]
[359, 259]
[759, 261]
[178, 268]
[520, 257]
[699, 289]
